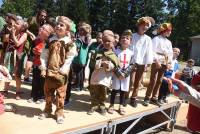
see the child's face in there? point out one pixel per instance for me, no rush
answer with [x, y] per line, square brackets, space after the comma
[18, 25]
[190, 64]
[61, 29]
[167, 33]
[142, 28]
[108, 42]
[44, 32]
[125, 41]
[82, 32]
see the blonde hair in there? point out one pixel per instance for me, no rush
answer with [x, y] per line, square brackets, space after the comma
[85, 26]
[66, 21]
[50, 28]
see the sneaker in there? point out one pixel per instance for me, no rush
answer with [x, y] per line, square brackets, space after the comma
[165, 100]
[39, 101]
[122, 110]
[156, 102]
[103, 111]
[30, 100]
[133, 102]
[27, 80]
[161, 102]
[111, 109]
[146, 102]
[91, 111]
[43, 116]
[60, 120]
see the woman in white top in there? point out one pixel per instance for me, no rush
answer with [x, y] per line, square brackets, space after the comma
[143, 54]
[162, 57]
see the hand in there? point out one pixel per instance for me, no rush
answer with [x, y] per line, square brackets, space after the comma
[158, 65]
[43, 73]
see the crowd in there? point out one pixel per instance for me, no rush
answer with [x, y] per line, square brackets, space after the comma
[62, 58]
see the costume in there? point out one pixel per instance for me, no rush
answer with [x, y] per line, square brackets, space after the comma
[124, 57]
[163, 54]
[56, 61]
[101, 77]
[143, 55]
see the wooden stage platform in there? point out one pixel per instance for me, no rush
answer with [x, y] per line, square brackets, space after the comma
[25, 120]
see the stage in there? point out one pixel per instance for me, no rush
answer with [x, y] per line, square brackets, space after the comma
[25, 120]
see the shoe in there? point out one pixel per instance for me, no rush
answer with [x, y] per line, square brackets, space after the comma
[39, 101]
[27, 80]
[17, 97]
[165, 100]
[133, 102]
[161, 102]
[30, 100]
[111, 109]
[91, 111]
[43, 116]
[122, 110]
[156, 102]
[102, 110]
[60, 120]
[146, 102]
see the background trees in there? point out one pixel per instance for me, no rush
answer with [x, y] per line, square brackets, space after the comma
[119, 15]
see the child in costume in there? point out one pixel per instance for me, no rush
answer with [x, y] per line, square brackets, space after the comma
[169, 73]
[37, 92]
[105, 61]
[143, 53]
[122, 85]
[188, 72]
[163, 53]
[58, 60]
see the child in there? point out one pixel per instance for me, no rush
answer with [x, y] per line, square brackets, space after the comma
[169, 73]
[143, 53]
[188, 72]
[80, 60]
[58, 60]
[105, 61]
[17, 41]
[37, 93]
[163, 53]
[122, 85]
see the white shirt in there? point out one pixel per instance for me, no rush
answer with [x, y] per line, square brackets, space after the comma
[161, 45]
[124, 57]
[142, 49]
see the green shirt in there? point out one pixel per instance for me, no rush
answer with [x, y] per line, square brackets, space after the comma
[82, 57]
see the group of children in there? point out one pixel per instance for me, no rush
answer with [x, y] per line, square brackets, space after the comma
[56, 54]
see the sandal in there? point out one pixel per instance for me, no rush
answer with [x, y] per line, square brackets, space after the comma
[122, 110]
[111, 109]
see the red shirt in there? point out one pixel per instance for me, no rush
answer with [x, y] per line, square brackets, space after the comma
[37, 50]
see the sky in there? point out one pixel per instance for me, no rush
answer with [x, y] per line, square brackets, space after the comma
[1, 3]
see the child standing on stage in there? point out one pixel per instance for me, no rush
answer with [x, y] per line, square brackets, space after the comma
[105, 61]
[60, 55]
[143, 53]
[163, 54]
[37, 93]
[122, 85]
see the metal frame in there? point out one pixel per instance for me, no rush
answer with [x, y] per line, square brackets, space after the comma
[110, 126]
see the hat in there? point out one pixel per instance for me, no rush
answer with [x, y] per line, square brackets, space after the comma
[164, 27]
[127, 32]
[146, 20]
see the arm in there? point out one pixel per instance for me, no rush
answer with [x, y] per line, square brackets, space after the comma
[43, 58]
[149, 53]
[69, 58]
[31, 35]
[21, 41]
